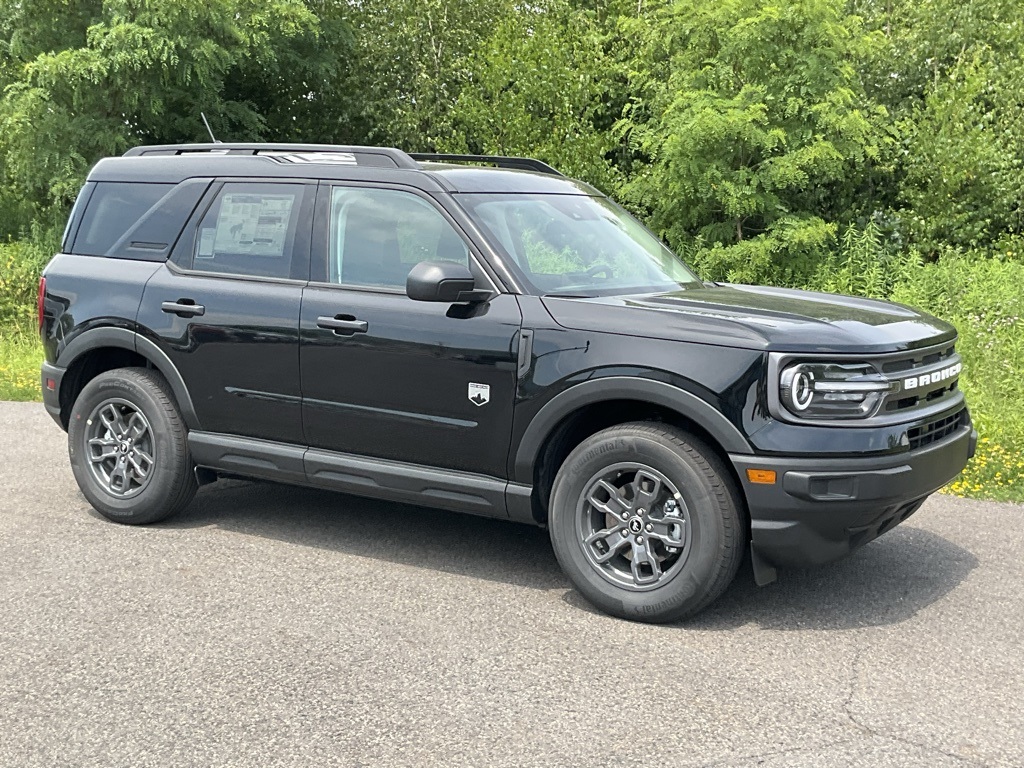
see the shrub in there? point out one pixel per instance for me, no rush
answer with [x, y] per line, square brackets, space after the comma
[20, 265]
[864, 265]
[983, 298]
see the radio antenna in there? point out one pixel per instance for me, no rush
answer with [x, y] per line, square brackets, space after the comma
[209, 130]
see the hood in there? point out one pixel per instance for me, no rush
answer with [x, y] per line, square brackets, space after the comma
[755, 317]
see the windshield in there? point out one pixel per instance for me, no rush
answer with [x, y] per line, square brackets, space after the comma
[578, 245]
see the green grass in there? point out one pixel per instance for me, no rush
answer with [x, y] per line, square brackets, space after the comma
[20, 357]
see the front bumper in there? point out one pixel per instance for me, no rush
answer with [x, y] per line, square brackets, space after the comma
[820, 509]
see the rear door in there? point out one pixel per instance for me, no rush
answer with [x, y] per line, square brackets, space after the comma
[389, 377]
[225, 308]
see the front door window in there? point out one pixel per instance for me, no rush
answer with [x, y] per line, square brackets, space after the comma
[378, 235]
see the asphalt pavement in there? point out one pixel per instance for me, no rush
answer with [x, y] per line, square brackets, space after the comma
[276, 626]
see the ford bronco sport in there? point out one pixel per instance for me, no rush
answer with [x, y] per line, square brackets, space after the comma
[491, 338]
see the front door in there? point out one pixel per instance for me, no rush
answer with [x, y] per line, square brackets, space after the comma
[389, 377]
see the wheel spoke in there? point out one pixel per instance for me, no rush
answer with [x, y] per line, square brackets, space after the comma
[113, 420]
[615, 504]
[119, 477]
[137, 469]
[670, 531]
[136, 426]
[106, 446]
[142, 460]
[646, 489]
[645, 565]
[606, 544]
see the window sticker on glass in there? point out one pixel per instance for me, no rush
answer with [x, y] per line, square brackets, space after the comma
[206, 238]
[255, 225]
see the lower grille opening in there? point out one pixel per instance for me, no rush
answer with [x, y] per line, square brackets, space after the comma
[926, 434]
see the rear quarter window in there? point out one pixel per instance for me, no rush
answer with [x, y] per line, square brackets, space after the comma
[114, 208]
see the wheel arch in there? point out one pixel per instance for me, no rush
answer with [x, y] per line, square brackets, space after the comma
[98, 350]
[575, 414]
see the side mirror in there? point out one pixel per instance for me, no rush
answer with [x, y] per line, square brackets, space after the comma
[444, 281]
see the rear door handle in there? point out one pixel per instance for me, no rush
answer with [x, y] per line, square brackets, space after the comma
[183, 308]
[343, 325]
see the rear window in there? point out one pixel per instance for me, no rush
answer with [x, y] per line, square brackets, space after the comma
[114, 208]
[250, 230]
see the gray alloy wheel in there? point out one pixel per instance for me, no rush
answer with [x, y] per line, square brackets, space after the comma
[647, 522]
[121, 448]
[634, 525]
[128, 446]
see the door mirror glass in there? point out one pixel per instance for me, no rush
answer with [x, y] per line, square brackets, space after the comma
[445, 281]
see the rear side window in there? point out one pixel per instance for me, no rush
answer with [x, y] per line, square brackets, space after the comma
[250, 230]
[114, 208]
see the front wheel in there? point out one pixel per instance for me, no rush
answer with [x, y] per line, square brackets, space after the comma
[646, 522]
[128, 447]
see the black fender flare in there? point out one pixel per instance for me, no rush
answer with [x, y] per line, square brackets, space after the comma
[655, 392]
[123, 338]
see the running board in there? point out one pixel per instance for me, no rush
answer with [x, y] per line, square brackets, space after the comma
[363, 476]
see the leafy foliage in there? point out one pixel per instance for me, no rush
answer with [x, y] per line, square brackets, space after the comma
[537, 87]
[754, 120]
[20, 357]
[873, 147]
[140, 71]
[964, 182]
[20, 265]
[414, 58]
[864, 264]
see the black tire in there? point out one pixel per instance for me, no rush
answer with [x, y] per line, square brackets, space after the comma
[132, 493]
[700, 511]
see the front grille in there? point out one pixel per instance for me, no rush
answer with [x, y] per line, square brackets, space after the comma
[897, 403]
[913, 366]
[919, 360]
[932, 432]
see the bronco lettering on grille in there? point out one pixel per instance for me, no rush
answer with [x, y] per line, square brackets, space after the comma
[937, 377]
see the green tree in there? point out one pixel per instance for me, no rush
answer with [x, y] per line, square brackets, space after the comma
[539, 86]
[412, 61]
[951, 74]
[140, 71]
[963, 183]
[756, 130]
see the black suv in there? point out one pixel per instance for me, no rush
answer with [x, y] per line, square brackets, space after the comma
[494, 339]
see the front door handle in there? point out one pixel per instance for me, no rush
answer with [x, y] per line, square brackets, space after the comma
[343, 325]
[183, 308]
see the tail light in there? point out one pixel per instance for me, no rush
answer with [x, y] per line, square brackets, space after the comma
[40, 302]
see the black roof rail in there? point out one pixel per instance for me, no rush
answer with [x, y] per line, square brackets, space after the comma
[376, 156]
[516, 163]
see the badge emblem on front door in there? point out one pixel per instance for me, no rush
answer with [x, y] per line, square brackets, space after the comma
[479, 394]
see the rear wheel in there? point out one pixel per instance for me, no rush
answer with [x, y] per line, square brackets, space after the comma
[646, 522]
[128, 447]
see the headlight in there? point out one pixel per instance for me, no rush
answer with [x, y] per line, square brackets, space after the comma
[832, 390]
